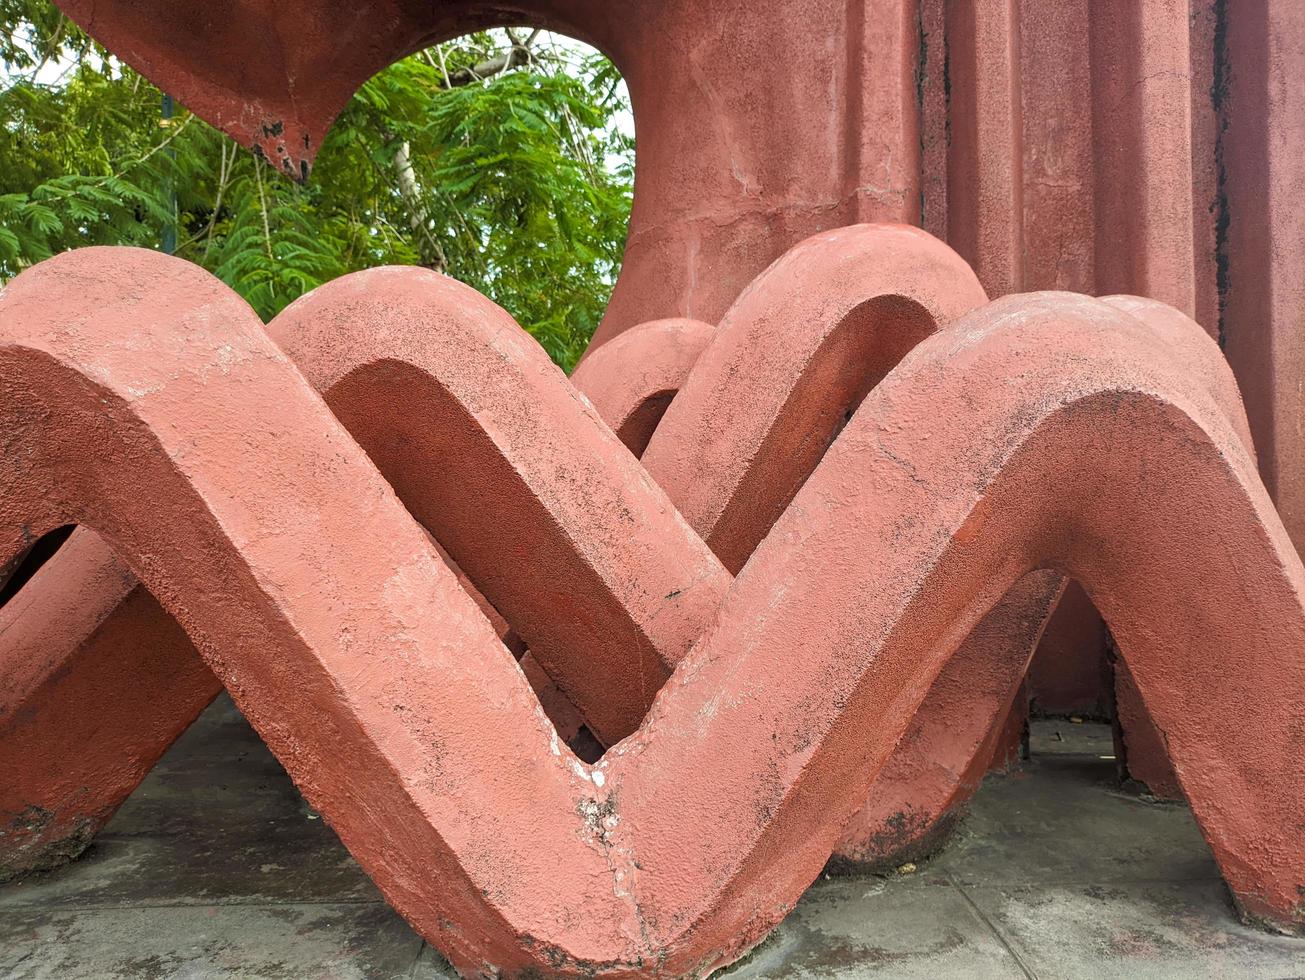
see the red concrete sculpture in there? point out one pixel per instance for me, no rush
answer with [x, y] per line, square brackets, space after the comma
[804, 615]
[866, 294]
[96, 681]
[1064, 433]
[1138, 146]
[1141, 146]
[795, 353]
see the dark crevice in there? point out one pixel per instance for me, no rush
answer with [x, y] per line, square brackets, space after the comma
[40, 552]
[947, 88]
[853, 115]
[1219, 100]
[921, 80]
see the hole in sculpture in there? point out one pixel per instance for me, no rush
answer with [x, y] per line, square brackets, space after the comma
[1082, 700]
[504, 158]
[511, 163]
[39, 553]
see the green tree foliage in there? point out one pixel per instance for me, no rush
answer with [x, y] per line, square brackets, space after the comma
[497, 158]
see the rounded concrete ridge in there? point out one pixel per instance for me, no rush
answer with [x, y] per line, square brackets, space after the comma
[1063, 433]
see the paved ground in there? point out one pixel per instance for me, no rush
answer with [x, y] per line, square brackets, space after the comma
[216, 868]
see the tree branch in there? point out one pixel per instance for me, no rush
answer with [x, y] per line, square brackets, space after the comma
[428, 247]
[517, 54]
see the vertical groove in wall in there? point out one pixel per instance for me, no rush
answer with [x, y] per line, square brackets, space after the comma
[1262, 112]
[1058, 174]
[984, 209]
[935, 127]
[879, 152]
[1241, 93]
[854, 82]
[908, 69]
[1219, 90]
[1014, 179]
[921, 76]
[1116, 122]
[962, 112]
[1204, 170]
[984, 192]
[1141, 93]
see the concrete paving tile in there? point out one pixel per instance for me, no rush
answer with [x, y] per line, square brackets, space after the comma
[432, 966]
[916, 926]
[1061, 736]
[216, 867]
[217, 821]
[1132, 931]
[1063, 819]
[217, 777]
[283, 862]
[296, 942]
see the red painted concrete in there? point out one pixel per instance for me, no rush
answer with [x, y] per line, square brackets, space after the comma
[491, 450]
[517, 511]
[1071, 674]
[790, 361]
[760, 377]
[1119, 146]
[632, 379]
[1010, 738]
[1261, 109]
[1151, 147]
[792, 358]
[1142, 146]
[1139, 746]
[1145, 147]
[374, 323]
[1067, 433]
[96, 681]
[514, 515]
[725, 183]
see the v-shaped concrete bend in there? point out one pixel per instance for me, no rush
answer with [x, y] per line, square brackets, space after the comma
[931, 466]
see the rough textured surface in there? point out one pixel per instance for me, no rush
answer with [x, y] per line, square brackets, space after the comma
[96, 680]
[632, 380]
[1139, 146]
[787, 366]
[537, 496]
[216, 868]
[1078, 439]
[1122, 146]
[491, 449]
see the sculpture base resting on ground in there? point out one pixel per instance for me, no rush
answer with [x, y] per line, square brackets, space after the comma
[788, 570]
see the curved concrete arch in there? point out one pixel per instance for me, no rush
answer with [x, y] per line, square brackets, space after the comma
[718, 442]
[421, 369]
[788, 364]
[446, 341]
[794, 355]
[389, 698]
[632, 379]
[488, 445]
